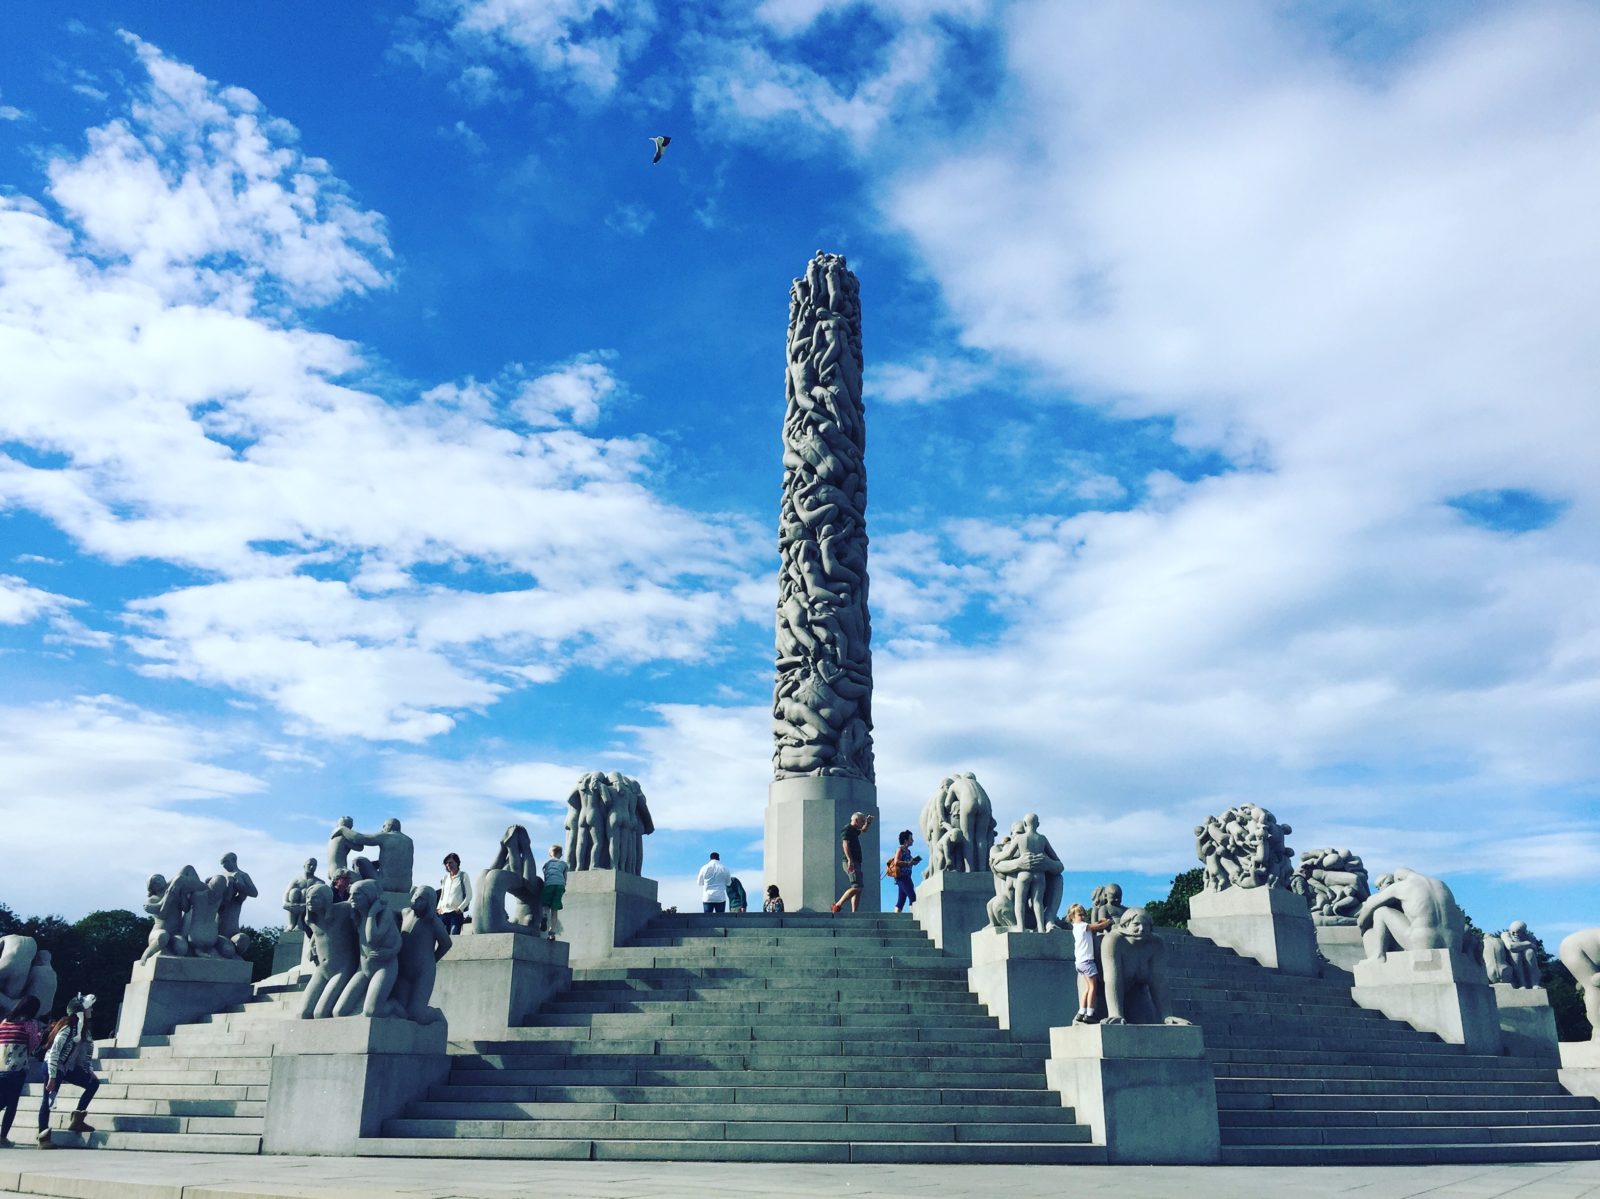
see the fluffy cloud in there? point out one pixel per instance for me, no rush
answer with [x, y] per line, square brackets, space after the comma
[586, 43]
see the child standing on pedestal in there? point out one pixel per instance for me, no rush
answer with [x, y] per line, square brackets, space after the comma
[1083, 953]
[555, 885]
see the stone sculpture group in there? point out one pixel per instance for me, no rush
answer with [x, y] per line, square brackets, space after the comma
[392, 870]
[607, 822]
[25, 970]
[1027, 879]
[958, 825]
[822, 697]
[372, 959]
[1244, 847]
[1334, 883]
[198, 918]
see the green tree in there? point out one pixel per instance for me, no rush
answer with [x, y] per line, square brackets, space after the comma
[1173, 911]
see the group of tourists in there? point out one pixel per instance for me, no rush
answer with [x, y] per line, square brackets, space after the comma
[63, 1052]
[455, 894]
[720, 891]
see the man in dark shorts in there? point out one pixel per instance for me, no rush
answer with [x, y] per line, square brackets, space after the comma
[850, 841]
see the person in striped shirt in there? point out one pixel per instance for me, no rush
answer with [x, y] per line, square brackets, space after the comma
[20, 1037]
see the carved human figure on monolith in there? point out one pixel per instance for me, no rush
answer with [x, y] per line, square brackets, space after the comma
[628, 822]
[392, 871]
[1580, 954]
[1028, 883]
[513, 874]
[1512, 956]
[1135, 966]
[337, 947]
[1409, 911]
[167, 905]
[378, 932]
[961, 804]
[1334, 883]
[588, 824]
[423, 941]
[1244, 847]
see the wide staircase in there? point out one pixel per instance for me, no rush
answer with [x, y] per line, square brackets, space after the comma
[201, 1089]
[794, 1038]
[1305, 1076]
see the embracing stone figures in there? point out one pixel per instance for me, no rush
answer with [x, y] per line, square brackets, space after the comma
[958, 825]
[822, 701]
[1244, 848]
[195, 917]
[607, 822]
[1027, 880]
[372, 959]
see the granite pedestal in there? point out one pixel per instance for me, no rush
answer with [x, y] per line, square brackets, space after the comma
[951, 907]
[1580, 1067]
[490, 983]
[1527, 1025]
[165, 992]
[1340, 944]
[1269, 924]
[1146, 1091]
[335, 1081]
[803, 854]
[1027, 981]
[1441, 991]
[292, 949]
[601, 910]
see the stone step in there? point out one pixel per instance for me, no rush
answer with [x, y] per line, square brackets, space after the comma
[29, 1105]
[836, 1152]
[901, 1113]
[110, 1121]
[730, 1091]
[877, 1039]
[800, 940]
[463, 1073]
[1312, 1059]
[137, 1072]
[160, 1142]
[1403, 1118]
[1408, 1155]
[1289, 1105]
[635, 1001]
[1411, 1134]
[737, 1130]
[848, 977]
[1385, 1086]
[688, 1016]
[1427, 1074]
[680, 1058]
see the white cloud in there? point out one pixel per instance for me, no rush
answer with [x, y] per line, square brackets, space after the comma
[570, 394]
[586, 43]
[927, 379]
[21, 602]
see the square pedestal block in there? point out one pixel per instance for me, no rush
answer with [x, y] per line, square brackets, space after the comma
[1440, 991]
[1146, 1091]
[951, 907]
[165, 992]
[1580, 1067]
[492, 982]
[1527, 1025]
[1340, 944]
[1028, 981]
[1269, 924]
[802, 853]
[335, 1081]
[601, 910]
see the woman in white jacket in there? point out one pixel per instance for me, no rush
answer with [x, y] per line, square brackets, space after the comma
[69, 1058]
[455, 895]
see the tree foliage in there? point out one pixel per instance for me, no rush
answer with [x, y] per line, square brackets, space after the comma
[1173, 911]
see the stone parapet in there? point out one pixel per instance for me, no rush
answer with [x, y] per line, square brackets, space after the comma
[165, 992]
[951, 907]
[490, 983]
[1027, 981]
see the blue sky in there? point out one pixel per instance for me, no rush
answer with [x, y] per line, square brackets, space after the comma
[382, 434]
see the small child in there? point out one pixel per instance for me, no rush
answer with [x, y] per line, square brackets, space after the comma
[774, 900]
[903, 862]
[1083, 951]
[555, 885]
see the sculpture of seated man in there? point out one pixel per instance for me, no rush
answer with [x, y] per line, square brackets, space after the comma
[1409, 911]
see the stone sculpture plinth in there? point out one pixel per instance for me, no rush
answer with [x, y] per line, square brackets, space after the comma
[335, 1081]
[1441, 991]
[603, 909]
[1270, 924]
[291, 951]
[165, 992]
[1028, 981]
[1340, 944]
[951, 907]
[802, 847]
[1527, 1024]
[1580, 1067]
[1146, 1091]
[490, 983]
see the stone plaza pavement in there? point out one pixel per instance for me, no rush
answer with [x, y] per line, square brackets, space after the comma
[118, 1174]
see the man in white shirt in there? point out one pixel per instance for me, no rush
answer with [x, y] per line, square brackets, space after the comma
[713, 879]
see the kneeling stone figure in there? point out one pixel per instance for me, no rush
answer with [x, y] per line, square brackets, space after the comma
[1134, 960]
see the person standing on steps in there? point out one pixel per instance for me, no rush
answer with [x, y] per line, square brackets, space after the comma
[850, 842]
[903, 862]
[738, 901]
[774, 903]
[20, 1040]
[69, 1058]
[455, 895]
[555, 886]
[713, 879]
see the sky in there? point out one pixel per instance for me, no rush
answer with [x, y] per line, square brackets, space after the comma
[382, 434]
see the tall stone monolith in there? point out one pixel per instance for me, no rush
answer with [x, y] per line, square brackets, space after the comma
[822, 700]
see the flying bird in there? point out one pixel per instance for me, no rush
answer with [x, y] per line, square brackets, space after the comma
[660, 143]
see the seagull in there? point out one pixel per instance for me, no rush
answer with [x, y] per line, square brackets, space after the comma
[660, 143]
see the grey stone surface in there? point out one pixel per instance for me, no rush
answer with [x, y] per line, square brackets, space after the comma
[822, 701]
[1440, 991]
[240, 887]
[1027, 880]
[1146, 1091]
[1270, 924]
[513, 875]
[603, 909]
[802, 852]
[1027, 981]
[1410, 911]
[167, 991]
[1580, 953]
[493, 982]
[1334, 883]
[1512, 956]
[951, 907]
[607, 821]
[1527, 1024]
[959, 827]
[1340, 944]
[1244, 848]
[25, 970]
[1135, 972]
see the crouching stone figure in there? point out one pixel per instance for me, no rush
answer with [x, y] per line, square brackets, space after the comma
[1134, 966]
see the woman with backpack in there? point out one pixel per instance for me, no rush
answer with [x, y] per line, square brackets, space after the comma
[899, 869]
[20, 1038]
[69, 1058]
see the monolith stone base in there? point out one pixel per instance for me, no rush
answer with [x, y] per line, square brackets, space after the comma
[951, 907]
[603, 909]
[167, 991]
[335, 1081]
[1146, 1091]
[490, 983]
[1527, 1025]
[1440, 991]
[803, 854]
[1271, 925]
[1027, 981]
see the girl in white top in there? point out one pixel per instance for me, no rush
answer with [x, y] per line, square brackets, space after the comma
[455, 895]
[1083, 952]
